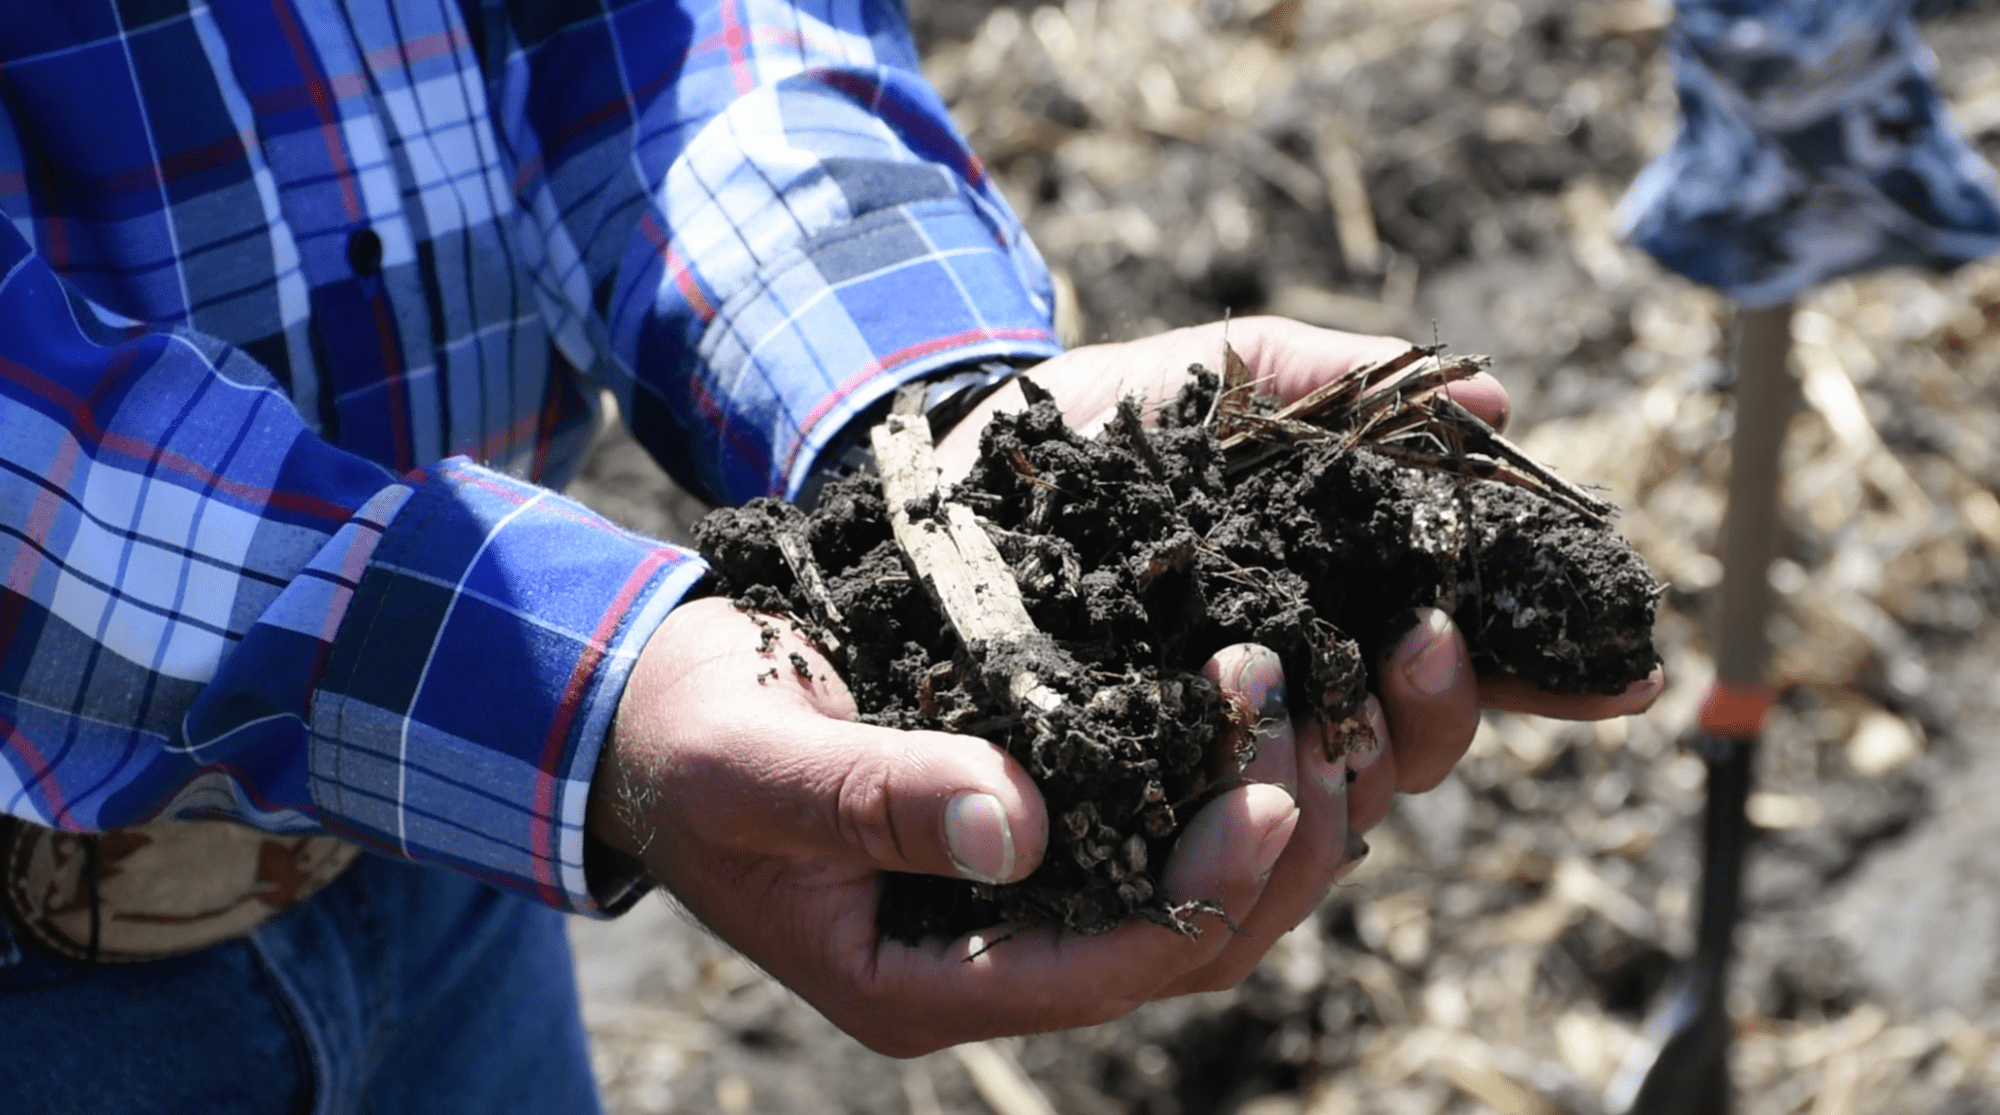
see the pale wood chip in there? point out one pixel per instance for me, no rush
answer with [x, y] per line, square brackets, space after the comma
[954, 556]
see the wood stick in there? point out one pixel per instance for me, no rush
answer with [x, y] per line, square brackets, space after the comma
[955, 558]
[799, 556]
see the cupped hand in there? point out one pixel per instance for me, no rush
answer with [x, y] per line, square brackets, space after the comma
[745, 787]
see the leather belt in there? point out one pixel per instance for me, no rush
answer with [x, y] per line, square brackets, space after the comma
[159, 890]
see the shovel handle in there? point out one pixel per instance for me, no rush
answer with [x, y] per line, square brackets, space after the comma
[1766, 397]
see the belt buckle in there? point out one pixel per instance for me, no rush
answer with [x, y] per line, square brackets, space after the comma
[158, 890]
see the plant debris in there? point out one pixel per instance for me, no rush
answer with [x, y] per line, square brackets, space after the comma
[1062, 601]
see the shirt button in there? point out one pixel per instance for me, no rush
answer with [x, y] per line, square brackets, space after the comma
[364, 252]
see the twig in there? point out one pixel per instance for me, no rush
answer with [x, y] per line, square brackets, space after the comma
[1339, 396]
[1384, 407]
[799, 556]
[1249, 439]
[1133, 428]
[956, 560]
[1482, 438]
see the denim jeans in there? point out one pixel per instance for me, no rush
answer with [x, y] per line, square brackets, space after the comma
[399, 988]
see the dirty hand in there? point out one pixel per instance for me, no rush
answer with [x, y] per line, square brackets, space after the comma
[1428, 707]
[736, 774]
[742, 783]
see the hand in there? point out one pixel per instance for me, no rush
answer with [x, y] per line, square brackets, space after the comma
[771, 815]
[756, 800]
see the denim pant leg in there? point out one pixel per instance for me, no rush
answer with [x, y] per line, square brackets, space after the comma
[206, 1032]
[400, 988]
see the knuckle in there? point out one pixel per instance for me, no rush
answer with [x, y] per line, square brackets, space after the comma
[1109, 1008]
[1368, 810]
[862, 808]
[882, 1032]
[878, 1014]
[1421, 781]
[1423, 771]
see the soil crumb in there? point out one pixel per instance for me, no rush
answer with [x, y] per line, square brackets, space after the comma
[1141, 552]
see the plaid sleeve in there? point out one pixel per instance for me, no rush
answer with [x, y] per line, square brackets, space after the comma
[210, 612]
[767, 222]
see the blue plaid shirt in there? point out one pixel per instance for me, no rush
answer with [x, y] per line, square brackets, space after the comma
[301, 302]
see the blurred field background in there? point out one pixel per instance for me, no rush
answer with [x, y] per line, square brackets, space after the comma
[1448, 169]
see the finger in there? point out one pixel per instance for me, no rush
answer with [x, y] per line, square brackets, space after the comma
[1372, 794]
[792, 774]
[1253, 681]
[1296, 359]
[1431, 699]
[1483, 396]
[1288, 358]
[1323, 850]
[910, 1000]
[1209, 864]
[1292, 359]
[925, 802]
[1511, 693]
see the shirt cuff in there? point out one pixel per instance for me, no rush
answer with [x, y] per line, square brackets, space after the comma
[847, 317]
[474, 679]
[950, 393]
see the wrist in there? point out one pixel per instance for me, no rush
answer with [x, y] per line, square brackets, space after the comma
[950, 394]
[953, 395]
[625, 789]
[614, 815]
[623, 812]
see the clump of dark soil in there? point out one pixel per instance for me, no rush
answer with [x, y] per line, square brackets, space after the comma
[1138, 553]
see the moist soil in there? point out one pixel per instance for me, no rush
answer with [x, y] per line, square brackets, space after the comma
[1141, 552]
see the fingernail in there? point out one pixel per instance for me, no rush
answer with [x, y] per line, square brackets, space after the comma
[1259, 677]
[1356, 851]
[1261, 680]
[1333, 774]
[1430, 661]
[976, 833]
[1275, 734]
[1273, 844]
[1378, 738]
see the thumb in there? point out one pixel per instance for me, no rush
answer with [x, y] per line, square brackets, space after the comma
[926, 802]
